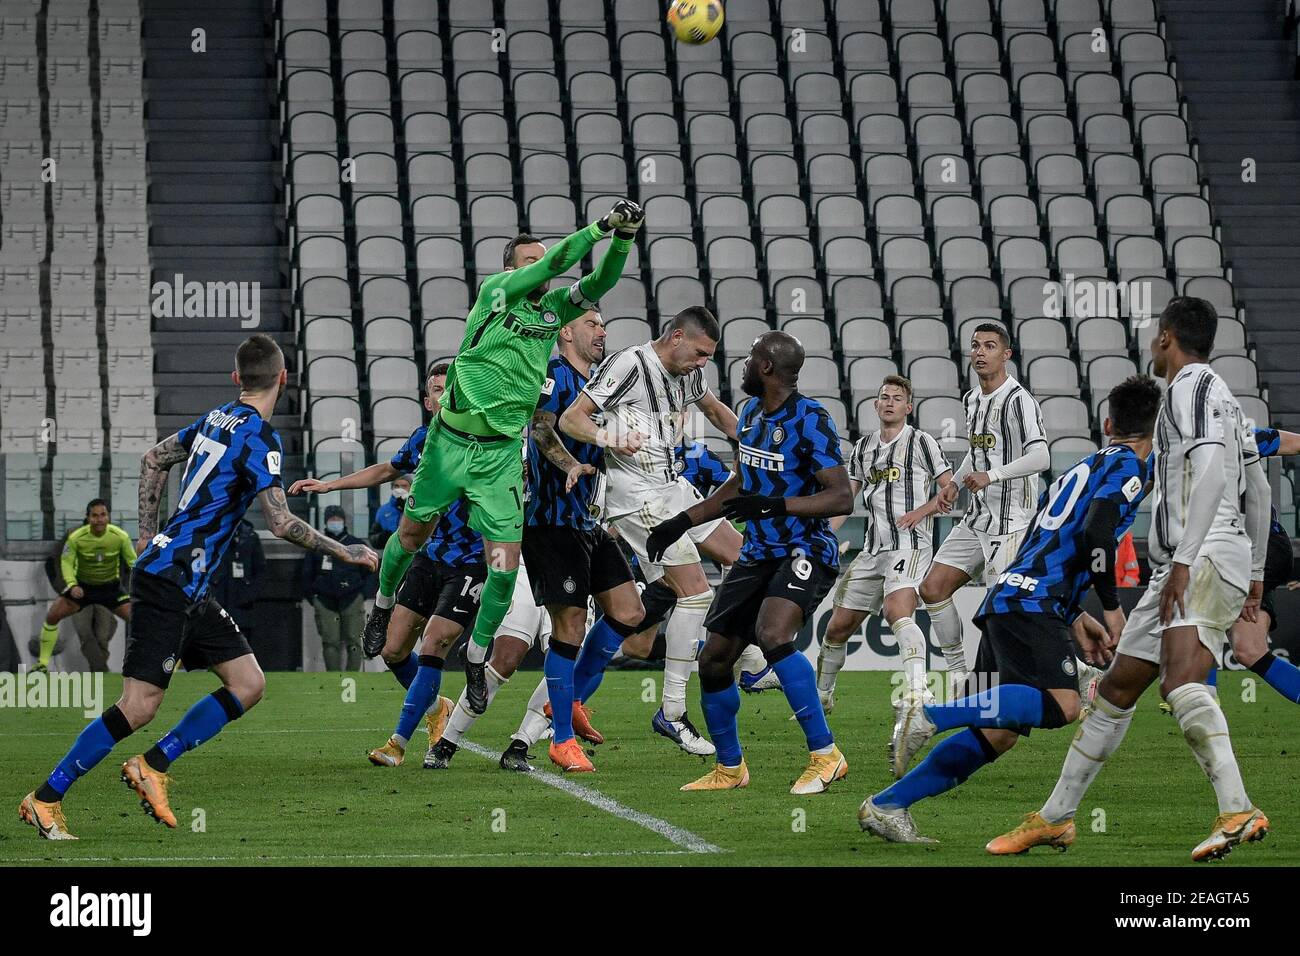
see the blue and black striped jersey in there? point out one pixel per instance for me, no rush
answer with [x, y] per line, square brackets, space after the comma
[453, 542]
[549, 505]
[234, 456]
[701, 467]
[1051, 572]
[780, 455]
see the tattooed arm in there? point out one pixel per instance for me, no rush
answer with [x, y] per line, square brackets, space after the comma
[289, 527]
[154, 465]
[548, 440]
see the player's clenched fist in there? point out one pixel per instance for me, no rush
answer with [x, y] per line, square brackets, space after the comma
[624, 219]
[624, 442]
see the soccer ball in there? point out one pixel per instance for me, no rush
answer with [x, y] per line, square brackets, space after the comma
[695, 21]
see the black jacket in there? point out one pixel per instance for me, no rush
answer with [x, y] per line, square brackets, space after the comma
[335, 583]
[236, 592]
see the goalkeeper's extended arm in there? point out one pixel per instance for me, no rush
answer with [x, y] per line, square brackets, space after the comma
[517, 283]
[608, 271]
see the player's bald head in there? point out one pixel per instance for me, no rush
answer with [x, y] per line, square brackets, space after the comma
[784, 352]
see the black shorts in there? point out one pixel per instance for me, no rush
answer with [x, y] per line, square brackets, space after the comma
[110, 595]
[168, 628]
[433, 589]
[658, 599]
[1278, 567]
[734, 612]
[566, 566]
[1031, 649]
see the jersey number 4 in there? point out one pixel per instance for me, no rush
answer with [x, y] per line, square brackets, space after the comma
[210, 451]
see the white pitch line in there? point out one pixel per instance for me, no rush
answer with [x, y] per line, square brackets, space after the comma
[674, 834]
[345, 856]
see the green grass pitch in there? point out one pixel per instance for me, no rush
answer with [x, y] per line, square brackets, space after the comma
[289, 785]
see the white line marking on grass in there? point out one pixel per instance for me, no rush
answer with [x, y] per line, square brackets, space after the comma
[254, 858]
[674, 834]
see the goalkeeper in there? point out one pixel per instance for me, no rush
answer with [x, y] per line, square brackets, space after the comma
[474, 445]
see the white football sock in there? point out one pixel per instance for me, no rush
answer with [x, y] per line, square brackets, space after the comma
[752, 659]
[685, 628]
[535, 721]
[476, 652]
[462, 718]
[1099, 735]
[829, 661]
[945, 622]
[911, 648]
[1206, 732]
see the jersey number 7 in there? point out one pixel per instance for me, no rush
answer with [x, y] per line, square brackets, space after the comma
[193, 480]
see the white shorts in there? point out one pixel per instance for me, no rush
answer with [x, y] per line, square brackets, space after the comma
[1212, 606]
[525, 620]
[981, 556]
[657, 508]
[873, 577]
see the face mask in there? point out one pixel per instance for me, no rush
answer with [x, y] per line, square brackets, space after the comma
[334, 527]
[400, 493]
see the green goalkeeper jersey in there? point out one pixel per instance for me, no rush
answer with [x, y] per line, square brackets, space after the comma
[499, 370]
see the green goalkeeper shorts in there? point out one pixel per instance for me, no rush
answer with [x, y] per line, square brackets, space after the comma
[489, 474]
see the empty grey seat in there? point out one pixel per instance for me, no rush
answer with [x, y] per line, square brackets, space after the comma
[862, 52]
[992, 134]
[905, 256]
[1137, 256]
[846, 255]
[813, 334]
[1071, 216]
[985, 94]
[865, 376]
[862, 336]
[1053, 375]
[914, 295]
[1196, 256]
[1013, 216]
[831, 174]
[871, 93]
[938, 135]
[1116, 175]
[385, 295]
[1040, 336]
[923, 335]
[1104, 373]
[933, 375]
[974, 295]
[1065, 415]
[892, 215]
[961, 257]
[1002, 176]
[1100, 336]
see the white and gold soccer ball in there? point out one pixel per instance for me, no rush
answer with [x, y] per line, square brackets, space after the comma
[695, 21]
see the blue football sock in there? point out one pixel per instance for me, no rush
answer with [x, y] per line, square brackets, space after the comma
[720, 710]
[419, 696]
[1004, 706]
[1213, 679]
[404, 670]
[951, 761]
[600, 645]
[91, 746]
[201, 723]
[799, 682]
[558, 668]
[1282, 676]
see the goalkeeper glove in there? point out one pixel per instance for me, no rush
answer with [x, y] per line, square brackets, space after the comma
[624, 219]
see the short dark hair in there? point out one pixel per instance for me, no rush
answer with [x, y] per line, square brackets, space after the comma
[996, 329]
[1133, 405]
[904, 383]
[259, 362]
[438, 368]
[695, 319]
[95, 503]
[523, 239]
[1193, 323]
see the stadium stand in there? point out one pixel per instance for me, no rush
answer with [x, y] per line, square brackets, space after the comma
[876, 176]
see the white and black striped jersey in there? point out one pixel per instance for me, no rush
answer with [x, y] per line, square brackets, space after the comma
[1002, 426]
[896, 477]
[634, 391]
[1199, 409]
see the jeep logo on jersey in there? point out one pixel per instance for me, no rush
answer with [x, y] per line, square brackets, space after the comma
[985, 441]
[892, 473]
[1018, 580]
[529, 332]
